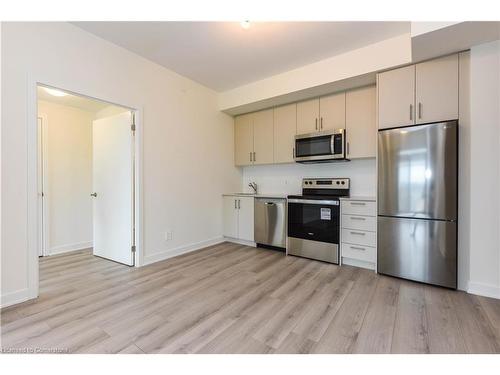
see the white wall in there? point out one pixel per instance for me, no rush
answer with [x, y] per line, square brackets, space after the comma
[187, 143]
[287, 178]
[485, 170]
[68, 138]
[110, 110]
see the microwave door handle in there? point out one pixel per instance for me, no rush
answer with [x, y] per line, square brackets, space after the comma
[332, 144]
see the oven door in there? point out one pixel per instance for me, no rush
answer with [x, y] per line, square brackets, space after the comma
[314, 220]
[326, 145]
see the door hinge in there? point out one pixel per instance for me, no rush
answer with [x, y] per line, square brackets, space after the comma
[133, 248]
[132, 126]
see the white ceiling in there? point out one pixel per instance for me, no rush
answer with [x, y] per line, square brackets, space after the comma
[81, 102]
[223, 55]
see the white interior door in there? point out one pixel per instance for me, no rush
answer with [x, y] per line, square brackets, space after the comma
[113, 188]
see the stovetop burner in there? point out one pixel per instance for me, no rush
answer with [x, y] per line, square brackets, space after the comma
[321, 188]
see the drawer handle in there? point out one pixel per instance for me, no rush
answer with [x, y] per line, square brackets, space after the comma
[357, 248]
[357, 218]
[358, 233]
[358, 203]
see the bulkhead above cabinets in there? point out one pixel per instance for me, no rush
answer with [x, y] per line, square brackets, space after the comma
[268, 136]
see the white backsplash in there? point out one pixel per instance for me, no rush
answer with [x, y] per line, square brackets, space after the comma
[287, 178]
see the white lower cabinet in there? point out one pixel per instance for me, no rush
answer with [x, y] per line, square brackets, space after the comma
[359, 233]
[238, 217]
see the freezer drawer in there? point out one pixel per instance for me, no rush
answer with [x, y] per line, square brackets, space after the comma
[270, 222]
[418, 249]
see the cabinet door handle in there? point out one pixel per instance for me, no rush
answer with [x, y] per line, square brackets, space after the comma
[235, 204]
[293, 153]
[254, 156]
[239, 204]
[250, 156]
[357, 218]
[358, 233]
[321, 123]
[316, 124]
[357, 248]
[419, 110]
[411, 112]
[357, 203]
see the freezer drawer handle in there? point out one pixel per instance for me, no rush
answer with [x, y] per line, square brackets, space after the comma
[357, 218]
[358, 233]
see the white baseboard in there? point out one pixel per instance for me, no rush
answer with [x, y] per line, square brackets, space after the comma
[240, 242]
[18, 296]
[70, 247]
[170, 253]
[486, 290]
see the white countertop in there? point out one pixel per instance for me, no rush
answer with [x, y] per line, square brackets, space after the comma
[259, 195]
[284, 196]
[359, 198]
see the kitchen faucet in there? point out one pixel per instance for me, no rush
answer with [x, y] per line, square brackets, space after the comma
[253, 185]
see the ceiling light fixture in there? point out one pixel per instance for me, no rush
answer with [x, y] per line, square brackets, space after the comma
[245, 24]
[55, 92]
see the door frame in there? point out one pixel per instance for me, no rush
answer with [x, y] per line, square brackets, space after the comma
[42, 187]
[33, 224]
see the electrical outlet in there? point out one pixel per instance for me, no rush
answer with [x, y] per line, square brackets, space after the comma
[169, 235]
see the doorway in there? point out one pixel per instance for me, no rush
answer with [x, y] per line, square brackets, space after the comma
[86, 176]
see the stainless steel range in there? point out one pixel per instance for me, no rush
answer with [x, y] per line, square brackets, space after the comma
[314, 219]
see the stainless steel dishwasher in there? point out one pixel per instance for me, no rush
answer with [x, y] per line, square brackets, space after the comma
[270, 222]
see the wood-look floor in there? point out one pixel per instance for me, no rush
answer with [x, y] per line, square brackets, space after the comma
[230, 298]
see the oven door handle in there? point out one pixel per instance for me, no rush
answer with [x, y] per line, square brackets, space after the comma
[314, 201]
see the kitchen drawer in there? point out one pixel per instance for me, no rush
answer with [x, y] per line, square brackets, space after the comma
[359, 237]
[359, 252]
[366, 208]
[358, 222]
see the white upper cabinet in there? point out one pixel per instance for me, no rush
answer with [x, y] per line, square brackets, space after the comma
[308, 116]
[243, 140]
[396, 97]
[361, 130]
[332, 112]
[418, 94]
[437, 90]
[285, 129]
[263, 134]
[253, 138]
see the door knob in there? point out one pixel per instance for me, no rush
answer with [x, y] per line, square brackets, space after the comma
[93, 195]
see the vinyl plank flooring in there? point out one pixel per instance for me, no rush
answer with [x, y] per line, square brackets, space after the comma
[342, 333]
[410, 331]
[476, 329]
[376, 332]
[230, 298]
[443, 326]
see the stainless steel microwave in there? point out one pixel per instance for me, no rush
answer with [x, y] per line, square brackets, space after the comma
[320, 147]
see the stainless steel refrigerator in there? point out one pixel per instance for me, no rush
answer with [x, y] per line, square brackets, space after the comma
[417, 203]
